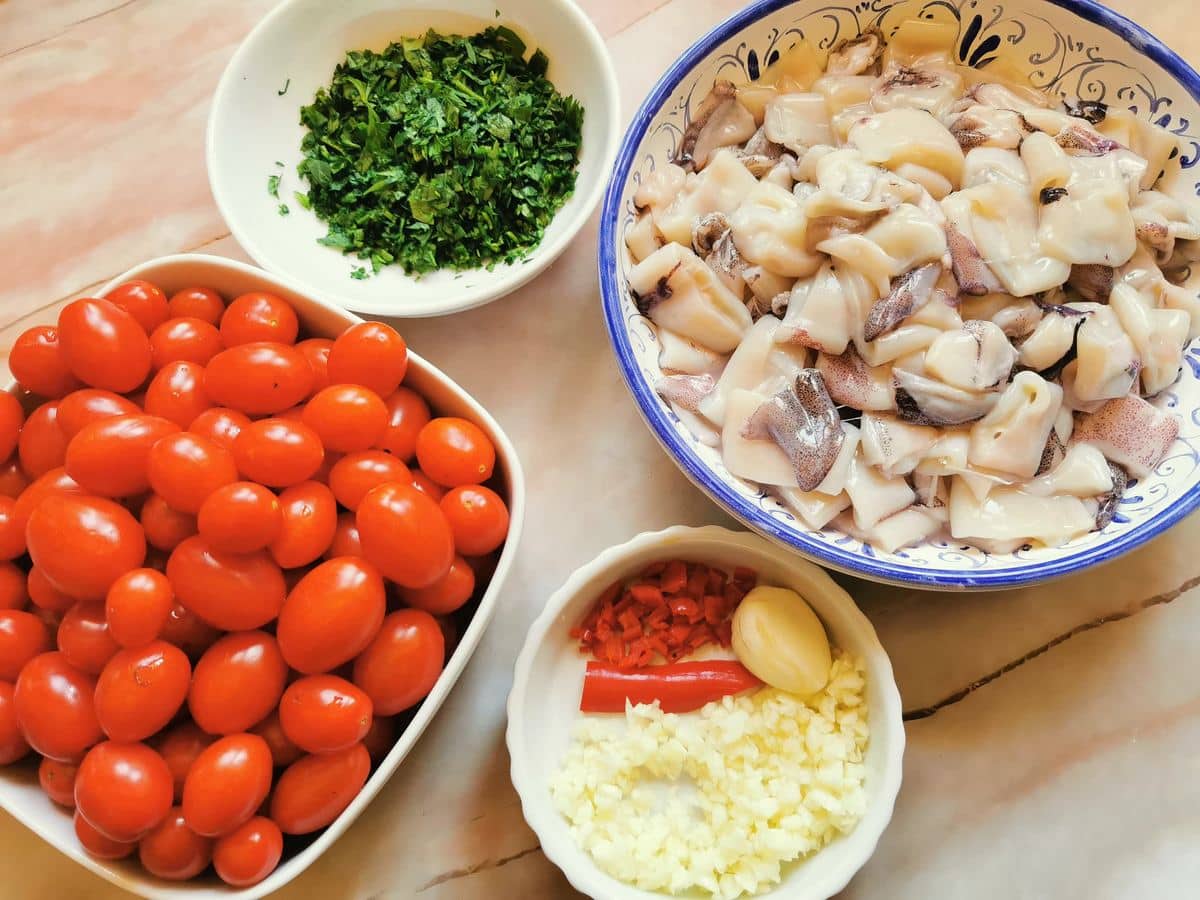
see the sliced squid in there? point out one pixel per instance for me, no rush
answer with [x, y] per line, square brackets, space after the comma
[1009, 514]
[802, 420]
[927, 401]
[1012, 436]
[851, 382]
[1131, 432]
[819, 314]
[908, 294]
[1053, 340]
[721, 121]
[798, 121]
[719, 188]
[905, 87]
[1158, 336]
[680, 355]
[894, 446]
[901, 136]
[1090, 225]
[905, 528]
[758, 460]
[1047, 164]
[975, 357]
[685, 391]
[1083, 472]
[641, 239]
[660, 188]
[1107, 363]
[986, 126]
[815, 509]
[985, 165]
[758, 358]
[769, 230]
[875, 496]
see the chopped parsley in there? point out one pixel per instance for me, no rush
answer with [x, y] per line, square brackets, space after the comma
[283, 209]
[287, 84]
[441, 152]
[273, 186]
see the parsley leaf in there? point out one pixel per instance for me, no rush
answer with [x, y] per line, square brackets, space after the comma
[273, 186]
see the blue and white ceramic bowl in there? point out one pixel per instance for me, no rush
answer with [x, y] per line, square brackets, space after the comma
[1073, 48]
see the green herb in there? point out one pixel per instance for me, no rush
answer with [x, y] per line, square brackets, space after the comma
[302, 199]
[359, 273]
[279, 164]
[283, 209]
[273, 186]
[287, 84]
[440, 152]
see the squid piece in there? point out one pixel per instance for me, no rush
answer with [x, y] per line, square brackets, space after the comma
[855, 56]
[948, 456]
[913, 136]
[819, 314]
[893, 446]
[641, 239]
[1109, 501]
[970, 271]
[660, 188]
[679, 355]
[908, 293]
[684, 391]
[851, 382]
[712, 238]
[757, 460]
[1012, 437]
[1017, 317]
[798, 121]
[678, 291]
[719, 188]
[926, 401]
[874, 495]
[804, 423]
[905, 528]
[1160, 220]
[1130, 432]
[903, 87]
[1052, 343]
[766, 285]
[719, 122]
[815, 509]
[975, 357]
[985, 165]
[1158, 335]
[909, 237]
[1056, 442]
[987, 126]
[1083, 472]
[1008, 514]
[1093, 282]
[1107, 363]
[1090, 225]
[1048, 165]
[769, 229]
[757, 359]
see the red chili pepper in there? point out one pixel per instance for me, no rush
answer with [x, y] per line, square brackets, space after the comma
[678, 687]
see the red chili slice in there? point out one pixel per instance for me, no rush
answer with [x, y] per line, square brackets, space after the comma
[678, 687]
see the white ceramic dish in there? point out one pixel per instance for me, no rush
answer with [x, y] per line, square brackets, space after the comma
[544, 704]
[297, 45]
[20, 794]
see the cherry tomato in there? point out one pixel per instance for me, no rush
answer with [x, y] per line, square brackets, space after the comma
[227, 784]
[403, 663]
[14, 591]
[188, 632]
[173, 851]
[405, 534]
[144, 301]
[478, 518]
[230, 591]
[12, 417]
[176, 392]
[197, 303]
[371, 354]
[249, 853]
[220, 425]
[184, 468]
[324, 713]
[123, 789]
[446, 594]
[54, 482]
[42, 445]
[283, 751]
[259, 316]
[84, 638]
[428, 486]
[105, 346]
[184, 340]
[45, 596]
[454, 452]
[408, 413]
[315, 789]
[380, 738]
[345, 538]
[83, 544]
[346, 417]
[38, 362]
[278, 452]
[316, 351]
[331, 615]
[137, 607]
[13, 479]
[110, 457]
[240, 517]
[54, 704]
[165, 527]
[98, 845]
[262, 378]
[87, 405]
[58, 781]
[13, 745]
[237, 683]
[179, 748]
[141, 689]
[309, 521]
[355, 474]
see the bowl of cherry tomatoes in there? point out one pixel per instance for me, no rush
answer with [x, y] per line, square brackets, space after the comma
[248, 543]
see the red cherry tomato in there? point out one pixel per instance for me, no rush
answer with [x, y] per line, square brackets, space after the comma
[478, 518]
[123, 789]
[262, 378]
[403, 663]
[54, 482]
[355, 474]
[105, 346]
[38, 362]
[283, 751]
[42, 445]
[230, 591]
[454, 451]
[110, 457]
[184, 340]
[381, 737]
[141, 689]
[220, 425]
[227, 784]
[137, 607]
[99, 846]
[144, 301]
[83, 544]
[408, 413]
[237, 683]
[446, 594]
[345, 538]
[13, 479]
[371, 354]
[259, 316]
[405, 534]
[315, 789]
[87, 405]
[188, 632]
[58, 781]
[197, 303]
[428, 486]
[12, 417]
[84, 638]
[165, 527]
[14, 592]
[13, 745]
[309, 521]
[173, 851]
[249, 853]
[324, 713]
[45, 596]
[331, 615]
[346, 417]
[316, 351]
[180, 747]
[278, 452]
[185, 468]
[240, 517]
[177, 393]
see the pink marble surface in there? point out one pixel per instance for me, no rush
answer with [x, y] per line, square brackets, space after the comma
[1053, 729]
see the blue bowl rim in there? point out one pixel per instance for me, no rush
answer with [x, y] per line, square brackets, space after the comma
[1141, 41]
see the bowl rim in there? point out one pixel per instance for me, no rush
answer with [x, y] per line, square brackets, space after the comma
[144, 884]
[862, 565]
[870, 828]
[497, 283]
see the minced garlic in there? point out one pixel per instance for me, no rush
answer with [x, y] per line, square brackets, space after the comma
[719, 799]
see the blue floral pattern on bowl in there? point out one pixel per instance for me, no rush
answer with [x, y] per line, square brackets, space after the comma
[1071, 48]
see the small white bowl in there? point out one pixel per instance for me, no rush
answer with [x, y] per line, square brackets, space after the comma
[20, 794]
[544, 704]
[296, 46]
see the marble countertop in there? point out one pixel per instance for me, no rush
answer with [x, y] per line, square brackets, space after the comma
[1052, 730]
